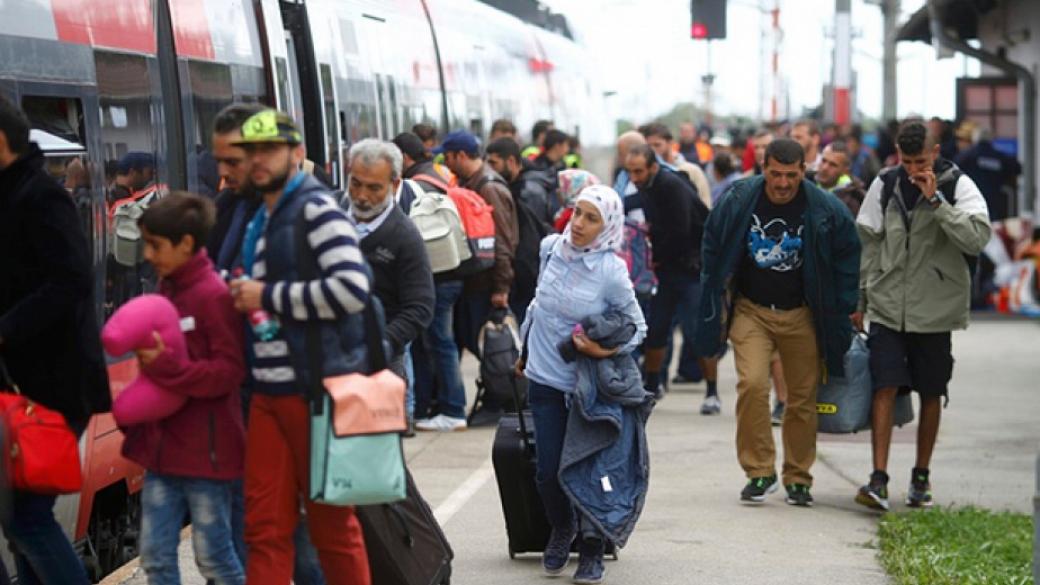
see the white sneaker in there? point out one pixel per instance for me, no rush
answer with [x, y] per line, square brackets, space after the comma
[441, 423]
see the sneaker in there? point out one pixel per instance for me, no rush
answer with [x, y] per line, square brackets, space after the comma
[758, 488]
[590, 562]
[778, 414]
[875, 494]
[798, 495]
[558, 551]
[711, 405]
[920, 494]
[441, 423]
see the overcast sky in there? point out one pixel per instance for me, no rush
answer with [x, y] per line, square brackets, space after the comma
[647, 55]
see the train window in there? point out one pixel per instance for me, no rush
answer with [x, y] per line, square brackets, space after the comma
[58, 130]
[211, 90]
[281, 80]
[329, 105]
[129, 96]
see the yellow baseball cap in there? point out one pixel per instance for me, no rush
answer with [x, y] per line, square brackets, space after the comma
[270, 126]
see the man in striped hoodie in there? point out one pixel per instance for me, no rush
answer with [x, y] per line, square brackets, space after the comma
[277, 452]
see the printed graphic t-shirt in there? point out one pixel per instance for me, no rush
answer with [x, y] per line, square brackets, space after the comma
[771, 270]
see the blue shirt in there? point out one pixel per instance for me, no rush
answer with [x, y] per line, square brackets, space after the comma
[569, 291]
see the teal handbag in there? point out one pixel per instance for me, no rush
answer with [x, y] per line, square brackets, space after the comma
[356, 426]
[356, 419]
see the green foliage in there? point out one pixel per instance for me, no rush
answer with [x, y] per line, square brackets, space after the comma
[953, 546]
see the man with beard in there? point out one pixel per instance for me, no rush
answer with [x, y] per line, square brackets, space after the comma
[393, 248]
[528, 185]
[676, 216]
[489, 288]
[236, 204]
[279, 415]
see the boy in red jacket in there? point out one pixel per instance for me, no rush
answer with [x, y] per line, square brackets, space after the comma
[192, 456]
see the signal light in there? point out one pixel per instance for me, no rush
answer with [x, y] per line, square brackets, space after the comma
[709, 19]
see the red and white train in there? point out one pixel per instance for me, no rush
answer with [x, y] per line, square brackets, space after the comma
[101, 78]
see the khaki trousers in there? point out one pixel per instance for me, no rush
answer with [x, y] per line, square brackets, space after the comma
[756, 333]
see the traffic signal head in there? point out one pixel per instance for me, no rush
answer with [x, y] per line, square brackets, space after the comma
[709, 19]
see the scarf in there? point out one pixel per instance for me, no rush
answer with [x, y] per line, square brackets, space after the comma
[610, 238]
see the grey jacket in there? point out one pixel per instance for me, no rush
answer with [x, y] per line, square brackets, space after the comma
[605, 464]
[913, 274]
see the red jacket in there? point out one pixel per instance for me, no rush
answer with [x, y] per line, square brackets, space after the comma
[205, 438]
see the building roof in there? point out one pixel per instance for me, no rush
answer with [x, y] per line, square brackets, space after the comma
[960, 15]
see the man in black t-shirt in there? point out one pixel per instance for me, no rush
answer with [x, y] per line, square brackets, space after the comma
[789, 253]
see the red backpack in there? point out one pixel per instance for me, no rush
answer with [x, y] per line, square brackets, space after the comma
[477, 221]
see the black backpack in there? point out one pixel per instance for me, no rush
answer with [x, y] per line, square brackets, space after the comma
[890, 176]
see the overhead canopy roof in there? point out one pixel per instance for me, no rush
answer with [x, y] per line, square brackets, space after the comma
[960, 15]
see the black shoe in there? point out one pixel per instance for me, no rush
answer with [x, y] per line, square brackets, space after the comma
[920, 494]
[777, 418]
[875, 494]
[798, 495]
[758, 488]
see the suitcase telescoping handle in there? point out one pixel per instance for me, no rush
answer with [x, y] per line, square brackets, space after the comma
[520, 413]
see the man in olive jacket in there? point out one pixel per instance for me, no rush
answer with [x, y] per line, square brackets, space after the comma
[922, 223]
[780, 273]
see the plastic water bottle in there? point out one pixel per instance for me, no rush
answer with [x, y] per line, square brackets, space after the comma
[265, 327]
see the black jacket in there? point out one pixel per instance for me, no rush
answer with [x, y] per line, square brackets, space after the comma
[403, 279]
[534, 189]
[676, 216]
[227, 203]
[48, 322]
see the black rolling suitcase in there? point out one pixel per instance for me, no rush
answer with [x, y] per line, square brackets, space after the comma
[513, 457]
[405, 544]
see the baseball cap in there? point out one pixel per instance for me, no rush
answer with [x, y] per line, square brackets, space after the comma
[411, 145]
[270, 126]
[459, 141]
[135, 160]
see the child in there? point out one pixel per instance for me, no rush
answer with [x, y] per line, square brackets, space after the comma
[193, 455]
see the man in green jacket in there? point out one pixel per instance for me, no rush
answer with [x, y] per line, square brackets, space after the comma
[921, 224]
[788, 254]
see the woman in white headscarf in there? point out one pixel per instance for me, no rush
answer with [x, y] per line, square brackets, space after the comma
[581, 276]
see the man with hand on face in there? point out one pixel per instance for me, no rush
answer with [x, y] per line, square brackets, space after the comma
[920, 222]
[788, 253]
[393, 249]
[279, 414]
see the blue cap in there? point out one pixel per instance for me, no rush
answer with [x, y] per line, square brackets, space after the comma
[135, 160]
[459, 141]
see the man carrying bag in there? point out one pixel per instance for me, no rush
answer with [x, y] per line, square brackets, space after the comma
[331, 302]
[48, 333]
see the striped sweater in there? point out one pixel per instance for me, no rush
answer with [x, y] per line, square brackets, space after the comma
[342, 288]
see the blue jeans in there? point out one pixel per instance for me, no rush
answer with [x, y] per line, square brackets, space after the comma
[165, 501]
[42, 553]
[549, 409]
[436, 360]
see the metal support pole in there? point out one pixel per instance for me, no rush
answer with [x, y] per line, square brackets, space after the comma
[890, 11]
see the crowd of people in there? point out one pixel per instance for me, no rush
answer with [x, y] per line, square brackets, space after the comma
[778, 249]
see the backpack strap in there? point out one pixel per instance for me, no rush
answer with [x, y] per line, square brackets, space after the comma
[440, 184]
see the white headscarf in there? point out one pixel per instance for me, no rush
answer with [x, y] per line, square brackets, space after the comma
[610, 208]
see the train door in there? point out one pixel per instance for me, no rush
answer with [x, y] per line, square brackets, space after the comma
[294, 74]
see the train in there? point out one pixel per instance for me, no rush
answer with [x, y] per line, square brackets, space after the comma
[102, 78]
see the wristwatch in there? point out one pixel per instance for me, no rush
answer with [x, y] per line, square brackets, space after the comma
[936, 200]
